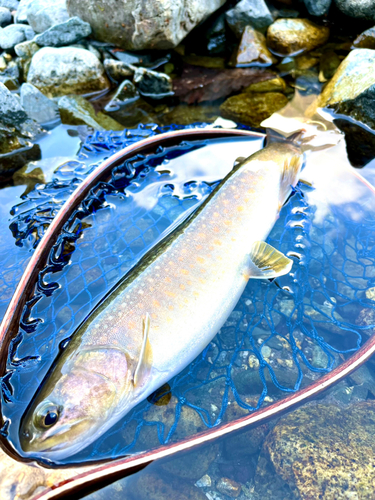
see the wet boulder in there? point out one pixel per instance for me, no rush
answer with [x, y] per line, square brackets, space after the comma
[252, 108]
[365, 40]
[248, 13]
[42, 14]
[66, 70]
[118, 70]
[37, 105]
[317, 7]
[322, 451]
[286, 37]
[5, 17]
[152, 84]
[351, 91]
[252, 50]
[14, 34]
[134, 24]
[75, 110]
[67, 33]
[360, 9]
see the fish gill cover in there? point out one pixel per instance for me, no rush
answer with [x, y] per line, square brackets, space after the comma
[280, 337]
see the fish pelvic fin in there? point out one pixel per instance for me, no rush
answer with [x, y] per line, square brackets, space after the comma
[290, 175]
[266, 262]
[143, 368]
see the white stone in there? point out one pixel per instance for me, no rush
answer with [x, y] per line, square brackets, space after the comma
[42, 14]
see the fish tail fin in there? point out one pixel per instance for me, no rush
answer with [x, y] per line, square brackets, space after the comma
[290, 175]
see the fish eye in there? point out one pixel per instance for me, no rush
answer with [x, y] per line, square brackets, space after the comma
[46, 415]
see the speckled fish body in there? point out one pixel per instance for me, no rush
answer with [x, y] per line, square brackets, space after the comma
[186, 286]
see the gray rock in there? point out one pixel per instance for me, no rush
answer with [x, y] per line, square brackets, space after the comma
[67, 33]
[142, 24]
[42, 14]
[317, 7]
[351, 91]
[152, 84]
[9, 4]
[66, 70]
[14, 34]
[15, 147]
[10, 76]
[37, 105]
[249, 12]
[118, 70]
[26, 49]
[5, 17]
[361, 9]
[21, 15]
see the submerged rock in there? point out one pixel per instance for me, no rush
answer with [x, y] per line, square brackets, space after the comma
[14, 34]
[67, 33]
[228, 487]
[66, 70]
[331, 456]
[317, 7]
[253, 13]
[208, 84]
[37, 105]
[252, 50]
[252, 108]
[329, 62]
[276, 84]
[142, 25]
[352, 89]
[293, 36]
[365, 40]
[16, 130]
[152, 83]
[75, 110]
[184, 115]
[42, 14]
[361, 9]
[5, 17]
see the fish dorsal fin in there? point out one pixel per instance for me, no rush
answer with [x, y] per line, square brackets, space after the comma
[238, 160]
[267, 262]
[145, 356]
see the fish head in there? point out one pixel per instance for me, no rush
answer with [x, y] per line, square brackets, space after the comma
[75, 405]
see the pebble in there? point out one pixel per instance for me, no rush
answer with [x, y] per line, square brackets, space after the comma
[204, 482]
[14, 34]
[365, 40]
[136, 26]
[317, 7]
[228, 487]
[360, 9]
[26, 49]
[266, 351]
[67, 33]
[294, 36]
[252, 109]
[253, 13]
[152, 83]
[75, 110]
[5, 17]
[37, 105]
[21, 14]
[252, 50]
[42, 14]
[66, 70]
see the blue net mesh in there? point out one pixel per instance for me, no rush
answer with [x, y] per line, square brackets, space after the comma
[281, 336]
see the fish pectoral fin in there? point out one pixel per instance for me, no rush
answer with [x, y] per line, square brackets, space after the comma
[143, 368]
[267, 262]
[238, 160]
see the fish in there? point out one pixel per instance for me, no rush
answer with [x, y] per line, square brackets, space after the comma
[166, 309]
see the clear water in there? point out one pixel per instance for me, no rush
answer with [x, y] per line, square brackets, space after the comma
[307, 323]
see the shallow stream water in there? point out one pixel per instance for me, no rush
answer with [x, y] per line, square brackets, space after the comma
[280, 336]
